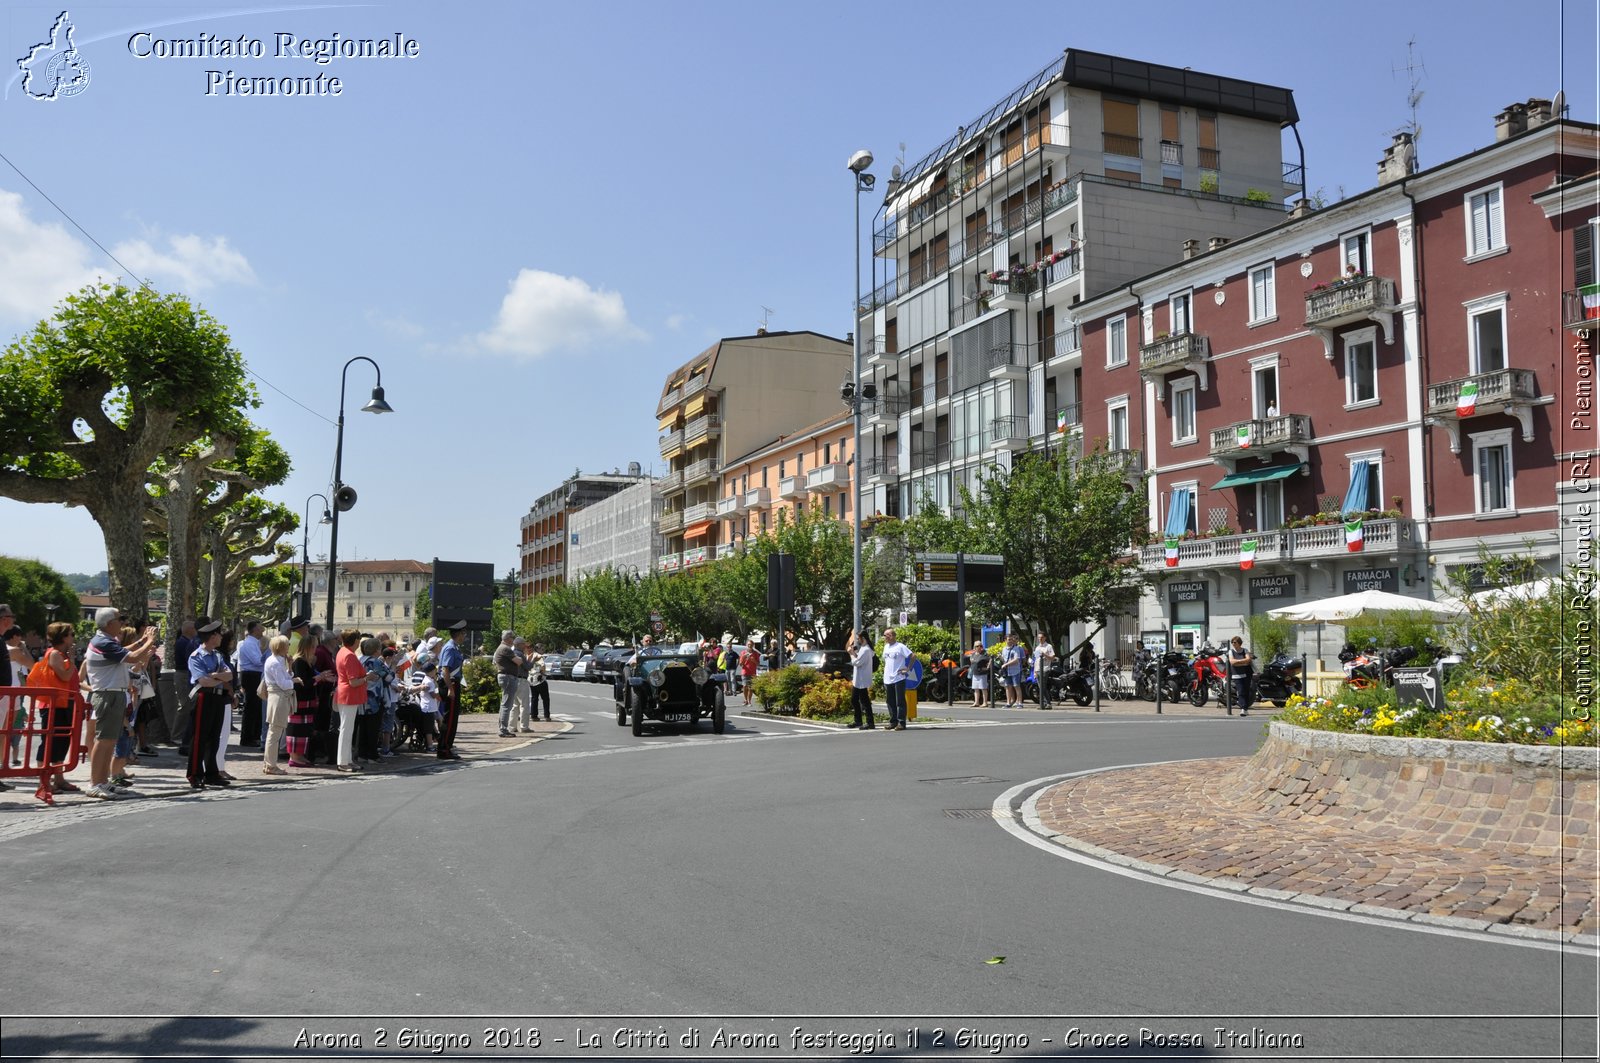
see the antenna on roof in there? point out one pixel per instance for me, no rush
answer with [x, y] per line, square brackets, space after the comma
[766, 313]
[1415, 70]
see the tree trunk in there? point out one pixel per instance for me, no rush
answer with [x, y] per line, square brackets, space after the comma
[176, 504]
[217, 574]
[120, 513]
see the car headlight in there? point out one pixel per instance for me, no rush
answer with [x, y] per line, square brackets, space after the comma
[658, 678]
[700, 675]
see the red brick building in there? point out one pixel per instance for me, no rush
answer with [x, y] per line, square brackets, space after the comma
[1405, 355]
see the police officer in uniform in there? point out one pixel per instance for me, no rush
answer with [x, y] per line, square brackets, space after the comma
[451, 661]
[211, 680]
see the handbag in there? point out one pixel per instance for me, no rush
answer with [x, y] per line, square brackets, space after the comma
[261, 689]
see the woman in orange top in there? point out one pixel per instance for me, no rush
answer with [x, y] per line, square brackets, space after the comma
[350, 696]
[56, 671]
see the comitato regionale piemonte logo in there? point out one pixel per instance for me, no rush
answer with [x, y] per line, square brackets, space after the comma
[54, 69]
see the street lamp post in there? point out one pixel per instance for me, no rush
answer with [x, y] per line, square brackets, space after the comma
[511, 591]
[305, 552]
[863, 182]
[341, 501]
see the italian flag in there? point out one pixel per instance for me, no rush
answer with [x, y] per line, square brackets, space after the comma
[1467, 401]
[1242, 434]
[1590, 294]
[1061, 420]
[1247, 554]
[1172, 553]
[1354, 541]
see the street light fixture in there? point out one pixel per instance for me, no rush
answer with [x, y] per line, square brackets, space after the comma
[863, 182]
[305, 553]
[344, 497]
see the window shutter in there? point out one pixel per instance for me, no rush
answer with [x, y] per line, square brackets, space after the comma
[1480, 224]
[1497, 232]
[1583, 255]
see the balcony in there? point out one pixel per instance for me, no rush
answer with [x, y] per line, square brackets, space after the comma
[1065, 419]
[1130, 461]
[696, 383]
[882, 471]
[1013, 287]
[1390, 535]
[1349, 302]
[669, 562]
[672, 443]
[699, 472]
[1123, 145]
[792, 487]
[1261, 438]
[698, 555]
[1508, 391]
[828, 478]
[1009, 433]
[671, 483]
[929, 455]
[722, 550]
[1008, 361]
[669, 399]
[875, 354]
[1066, 343]
[699, 511]
[731, 506]
[970, 310]
[671, 522]
[886, 411]
[1580, 308]
[757, 497]
[1219, 551]
[1166, 355]
[1171, 153]
[700, 429]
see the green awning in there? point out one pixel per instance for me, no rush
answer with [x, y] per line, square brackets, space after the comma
[1256, 476]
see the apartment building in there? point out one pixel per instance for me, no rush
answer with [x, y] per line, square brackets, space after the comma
[730, 399]
[543, 531]
[809, 468]
[1092, 172]
[620, 532]
[1362, 395]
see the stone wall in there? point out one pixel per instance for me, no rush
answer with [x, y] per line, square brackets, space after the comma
[1537, 800]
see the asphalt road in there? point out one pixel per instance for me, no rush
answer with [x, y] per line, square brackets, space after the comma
[858, 880]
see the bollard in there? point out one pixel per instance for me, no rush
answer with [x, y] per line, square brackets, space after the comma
[1161, 682]
[1094, 677]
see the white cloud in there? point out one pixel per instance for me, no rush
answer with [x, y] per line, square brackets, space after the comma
[676, 321]
[544, 312]
[192, 262]
[40, 264]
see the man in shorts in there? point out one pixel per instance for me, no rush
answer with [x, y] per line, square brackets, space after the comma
[109, 665]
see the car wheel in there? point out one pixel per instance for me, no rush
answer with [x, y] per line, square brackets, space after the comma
[622, 711]
[719, 714]
[638, 720]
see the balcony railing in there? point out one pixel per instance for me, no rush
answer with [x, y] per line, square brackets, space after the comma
[698, 512]
[1065, 418]
[1580, 308]
[1263, 435]
[1208, 158]
[1294, 175]
[1008, 360]
[723, 550]
[671, 442]
[669, 562]
[1349, 300]
[1169, 354]
[698, 555]
[1064, 342]
[1219, 550]
[695, 383]
[1070, 266]
[671, 483]
[1132, 461]
[671, 521]
[1009, 431]
[831, 477]
[1122, 144]
[699, 471]
[1511, 391]
[1389, 534]
[792, 487]
[700, 428]
[730, 506]
[1171, 153]
[882, 467]
[756, 497]
[970, 310]
[670, 398]
[928, 455]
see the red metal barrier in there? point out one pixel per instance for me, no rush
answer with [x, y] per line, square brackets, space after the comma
[49, 734]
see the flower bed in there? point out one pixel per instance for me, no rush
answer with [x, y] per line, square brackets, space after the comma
[1507, 712]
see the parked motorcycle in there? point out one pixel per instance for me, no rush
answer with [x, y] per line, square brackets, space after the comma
[1279, 680]
[948, 681]
[1366, 669]
[1208, 677]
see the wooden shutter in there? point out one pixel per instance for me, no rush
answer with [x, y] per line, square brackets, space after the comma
[1583, 255]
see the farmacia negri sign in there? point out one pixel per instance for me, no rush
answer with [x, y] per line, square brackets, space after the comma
[319, 51]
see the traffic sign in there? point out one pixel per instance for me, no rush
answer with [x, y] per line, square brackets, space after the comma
[658, 627]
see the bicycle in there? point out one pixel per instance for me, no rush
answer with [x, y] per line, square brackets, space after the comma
[1112, 686]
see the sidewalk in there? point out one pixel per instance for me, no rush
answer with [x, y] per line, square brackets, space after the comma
[477, 735]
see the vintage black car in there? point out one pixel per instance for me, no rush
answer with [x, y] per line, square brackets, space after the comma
[671, 688]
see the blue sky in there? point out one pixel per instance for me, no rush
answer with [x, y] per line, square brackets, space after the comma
[553, 204]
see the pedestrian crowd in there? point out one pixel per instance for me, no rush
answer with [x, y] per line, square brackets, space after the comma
[524, 686]
[301, 695]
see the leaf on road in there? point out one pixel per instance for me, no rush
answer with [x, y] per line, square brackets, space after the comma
[995, 959]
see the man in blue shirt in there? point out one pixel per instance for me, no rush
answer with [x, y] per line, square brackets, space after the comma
[451, 662]
[210, 685]
[250, 659]
[186, 644]
[896, 670]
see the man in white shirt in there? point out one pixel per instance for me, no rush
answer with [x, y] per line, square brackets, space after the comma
[896, 670]
[1044, 655]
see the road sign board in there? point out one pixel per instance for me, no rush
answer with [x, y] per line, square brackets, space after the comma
[658, 627]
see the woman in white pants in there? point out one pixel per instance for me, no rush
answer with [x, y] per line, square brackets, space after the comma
[275, 676]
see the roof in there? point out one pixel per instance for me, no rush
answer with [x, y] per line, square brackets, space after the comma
[799, 435]
[708, 357]
[384, 568]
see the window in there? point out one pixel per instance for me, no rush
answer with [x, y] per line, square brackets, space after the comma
[350, 610]
[1117, 342]
[827, 506]
[1366, 483]
[783, 468]
[827, 453]
[407, 608]
[842, 511]
[1269, 505]
[1486, 230]
[1183, 425]
[408, 586]
[1117, 425]
[1486, 333]
[799, 464]
[369, 586]
[1263, 294]
[1264, 387]
[369, 612]
[1361, 368]
[388, 610]
[388, 586]
[1491, 465]
[1183, 511]
[352, 587]
[1182, 315]
[1356, 250]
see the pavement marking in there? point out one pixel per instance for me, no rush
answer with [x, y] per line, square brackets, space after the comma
[1027, 827]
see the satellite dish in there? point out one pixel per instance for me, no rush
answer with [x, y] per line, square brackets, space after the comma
[894, 173]
[1559, 105]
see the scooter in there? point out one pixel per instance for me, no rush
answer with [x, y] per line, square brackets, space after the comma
[1279, 680]
[1210, 677]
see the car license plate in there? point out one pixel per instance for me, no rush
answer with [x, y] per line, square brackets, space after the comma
[678, 717]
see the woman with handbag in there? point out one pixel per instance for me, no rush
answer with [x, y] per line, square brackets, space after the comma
[277, 683]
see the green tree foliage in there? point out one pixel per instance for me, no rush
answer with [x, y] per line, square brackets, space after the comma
[694, 604]
[90, 398]
[1063, 523]
[1543, 639]
[1269, 635]
[422, 612]
[29, 586]
[557, 617]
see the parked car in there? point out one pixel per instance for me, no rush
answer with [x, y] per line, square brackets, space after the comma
[608, 662]
[828, 662]
[580, 671]
[558, 666]
[669, 688]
